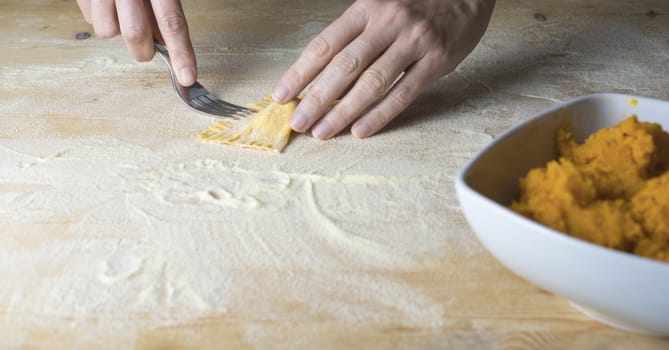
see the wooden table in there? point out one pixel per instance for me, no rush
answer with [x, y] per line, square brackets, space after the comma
[62, 91]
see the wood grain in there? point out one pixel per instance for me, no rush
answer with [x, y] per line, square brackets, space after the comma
[59, 82]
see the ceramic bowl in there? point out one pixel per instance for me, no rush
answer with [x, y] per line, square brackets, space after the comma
[620, 289]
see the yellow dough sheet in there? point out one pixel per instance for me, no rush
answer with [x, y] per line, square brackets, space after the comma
[267, 129]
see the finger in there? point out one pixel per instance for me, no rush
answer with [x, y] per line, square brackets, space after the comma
[154, 24]
[85, 7]
[318, 54]
[174, 29]
[344, 69]
[135, 28]
[103, 16]
[372, 85]
[405, 91]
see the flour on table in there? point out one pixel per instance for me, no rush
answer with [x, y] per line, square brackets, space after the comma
[108, 230]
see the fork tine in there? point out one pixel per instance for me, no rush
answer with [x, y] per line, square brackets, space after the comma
[226, 109]
[205, 105]
[212, 104]
[216, 103]
[228, 104]
[207, 102]
[199, 98]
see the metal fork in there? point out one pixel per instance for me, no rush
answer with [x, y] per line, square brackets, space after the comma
[199, 98]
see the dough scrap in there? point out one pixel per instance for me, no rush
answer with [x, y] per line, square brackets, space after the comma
[267, 129]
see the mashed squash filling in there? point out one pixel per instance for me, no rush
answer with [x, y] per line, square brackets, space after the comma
[612, 190]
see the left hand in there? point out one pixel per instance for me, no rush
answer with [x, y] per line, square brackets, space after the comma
[364, 51]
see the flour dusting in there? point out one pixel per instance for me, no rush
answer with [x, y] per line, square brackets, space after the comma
[98, 228]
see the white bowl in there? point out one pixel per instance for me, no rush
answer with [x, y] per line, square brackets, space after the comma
[620, 289]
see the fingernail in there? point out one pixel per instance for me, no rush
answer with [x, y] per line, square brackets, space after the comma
[322, 131]
[280, 93]
[361, 130]
[186, 76]
[298, 121]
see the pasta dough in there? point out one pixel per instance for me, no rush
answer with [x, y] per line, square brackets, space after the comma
[267, 129]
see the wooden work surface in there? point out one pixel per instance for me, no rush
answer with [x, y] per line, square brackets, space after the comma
[60, 87]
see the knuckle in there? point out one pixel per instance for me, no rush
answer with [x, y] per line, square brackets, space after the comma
[319, 47]
[295, 76]
[316, 98]
[402, 95]
[422, 27]
[422, 30]
[362, 9]
[375, 81]
[173, 23]
[398, 11]
[134, 33]
[346, 62]
[181, 56]
[393, 13]
[378, 118]
[339, 118]
[440, 61]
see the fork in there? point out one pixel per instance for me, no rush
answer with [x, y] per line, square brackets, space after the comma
[199, 98]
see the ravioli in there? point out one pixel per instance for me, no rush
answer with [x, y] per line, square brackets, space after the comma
[267, 129]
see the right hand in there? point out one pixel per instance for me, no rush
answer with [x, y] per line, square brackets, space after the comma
[140, 23]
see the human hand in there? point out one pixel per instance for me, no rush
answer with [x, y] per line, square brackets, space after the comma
[140, 23]
[364, 51]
